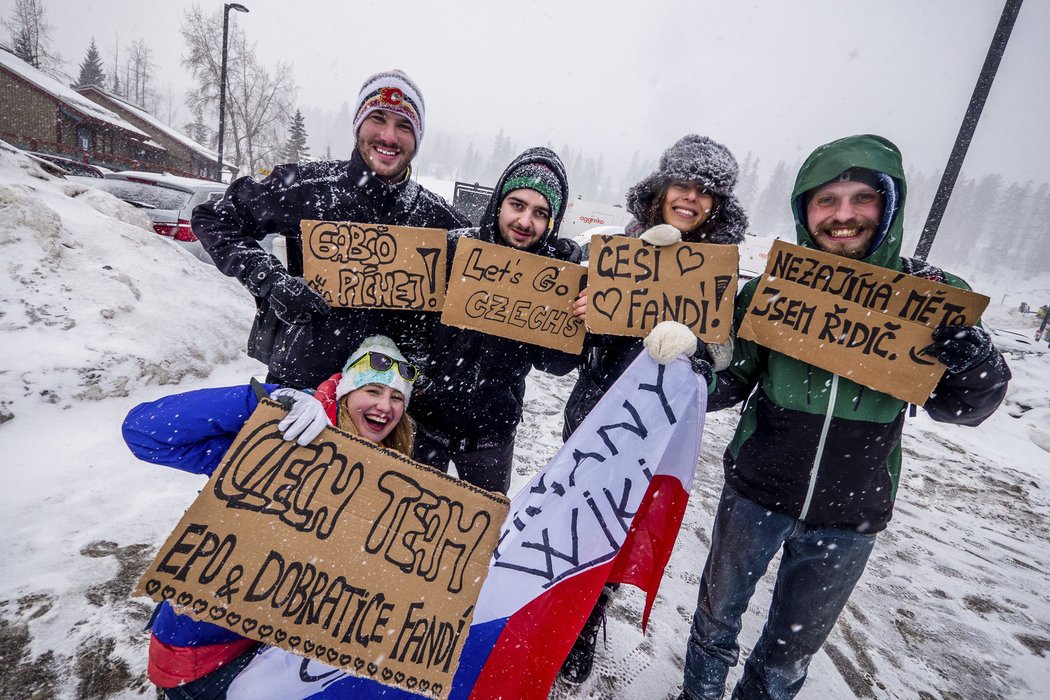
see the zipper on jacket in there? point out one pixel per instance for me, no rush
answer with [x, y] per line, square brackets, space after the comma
[820, 446]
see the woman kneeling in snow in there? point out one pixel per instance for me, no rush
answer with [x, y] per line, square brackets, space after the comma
[193, 430]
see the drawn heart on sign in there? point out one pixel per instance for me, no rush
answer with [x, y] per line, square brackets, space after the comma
[437, 688]
[320, 650]
[217, 612]
[411, 682]
[372, 669]
[294, 641]
[332, 656]
[607, 302]
[184, 599]
[344, 659]
[232, 618]
[152, 586]
[168, 593]
[199, 606]
[249, 624]
[387, 674]
[424, 685]
[359, 664]
[279, 636]
[265, 631]
[689, 260]
[308, 645]
[399, 677]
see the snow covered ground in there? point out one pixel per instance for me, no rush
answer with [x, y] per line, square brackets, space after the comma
[97, 313]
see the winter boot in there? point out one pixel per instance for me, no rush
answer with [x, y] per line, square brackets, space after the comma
[580, 661]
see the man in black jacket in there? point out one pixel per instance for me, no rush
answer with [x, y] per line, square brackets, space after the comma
[469, 404]
[295, 333]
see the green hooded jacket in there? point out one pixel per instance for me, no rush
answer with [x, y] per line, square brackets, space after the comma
[815, 445]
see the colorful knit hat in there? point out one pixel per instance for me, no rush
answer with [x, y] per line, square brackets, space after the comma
[391, 91]
[357, 374]
[539, 178]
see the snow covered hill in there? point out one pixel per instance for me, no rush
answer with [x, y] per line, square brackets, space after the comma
[97, 313]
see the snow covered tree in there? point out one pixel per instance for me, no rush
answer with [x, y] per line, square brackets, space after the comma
[296, 149]
[31, 36]
[91, 71]
[256, 98]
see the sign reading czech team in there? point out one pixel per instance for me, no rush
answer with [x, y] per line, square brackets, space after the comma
[502, 291]
[634, 285]
[859, 321]
[340, 551]
[374, 265]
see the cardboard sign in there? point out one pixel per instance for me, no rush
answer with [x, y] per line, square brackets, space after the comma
[859, 321]
[633, 285]
[502, 291]
[340, 551]
[374, 265]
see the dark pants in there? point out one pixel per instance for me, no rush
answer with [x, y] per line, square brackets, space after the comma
[484, 462]
[817, 573]
[212, 686]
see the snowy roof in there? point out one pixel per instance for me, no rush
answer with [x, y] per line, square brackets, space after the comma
[64, 94]
[157, 124]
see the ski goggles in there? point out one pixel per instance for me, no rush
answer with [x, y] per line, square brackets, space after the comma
[382, 363]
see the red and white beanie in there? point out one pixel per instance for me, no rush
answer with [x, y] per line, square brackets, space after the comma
[392, 91]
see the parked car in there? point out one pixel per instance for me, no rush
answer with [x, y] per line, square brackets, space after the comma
[70, 166]
[584, 239]
[167, 199]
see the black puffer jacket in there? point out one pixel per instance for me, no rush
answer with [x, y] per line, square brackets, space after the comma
[474, 386]
[691, 159]
[230, 230]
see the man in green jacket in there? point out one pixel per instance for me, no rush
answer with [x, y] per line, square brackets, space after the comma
[814, 465]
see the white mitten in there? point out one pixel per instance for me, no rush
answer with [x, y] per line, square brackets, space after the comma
[663, 234]
[306, 418]
[668, 340]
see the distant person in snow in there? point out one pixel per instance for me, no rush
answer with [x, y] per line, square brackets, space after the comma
[814, 466]
[296, 334]
[692, 192]
[192, 431]
[470, 400]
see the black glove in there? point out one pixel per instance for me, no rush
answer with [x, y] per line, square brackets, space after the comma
[702, 366]
[294, 302]
[960, 348]
[291, 298]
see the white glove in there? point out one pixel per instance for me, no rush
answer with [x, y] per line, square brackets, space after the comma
[668, 340]
[663, 234]
[306, 418]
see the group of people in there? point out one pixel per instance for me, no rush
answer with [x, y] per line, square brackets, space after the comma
[812, 470]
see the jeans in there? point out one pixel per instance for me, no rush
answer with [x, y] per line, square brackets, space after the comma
[818, 570]
[214, 685]
[484, 462]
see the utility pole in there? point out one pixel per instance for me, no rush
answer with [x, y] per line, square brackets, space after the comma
[222, 78]
[969, 125]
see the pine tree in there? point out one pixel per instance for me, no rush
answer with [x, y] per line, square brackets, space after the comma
[296, 149]
[91, 71]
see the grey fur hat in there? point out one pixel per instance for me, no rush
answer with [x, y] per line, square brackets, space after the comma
[695, 158]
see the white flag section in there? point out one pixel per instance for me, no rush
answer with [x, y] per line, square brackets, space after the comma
[607, 508]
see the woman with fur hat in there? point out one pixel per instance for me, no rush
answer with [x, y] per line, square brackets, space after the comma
[692, 191]
[193, 430]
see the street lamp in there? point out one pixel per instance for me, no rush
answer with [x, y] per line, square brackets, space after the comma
[222, 78]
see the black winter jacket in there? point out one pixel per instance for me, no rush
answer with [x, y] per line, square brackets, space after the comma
[230, 230]
[474, 386]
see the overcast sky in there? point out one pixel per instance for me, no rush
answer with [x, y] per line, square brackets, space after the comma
[773, 77]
